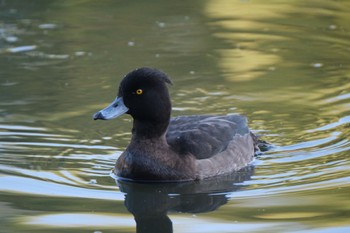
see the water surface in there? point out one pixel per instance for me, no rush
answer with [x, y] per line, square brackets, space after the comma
[284, 64]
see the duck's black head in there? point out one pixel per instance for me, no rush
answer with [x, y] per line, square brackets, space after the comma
[144, 95]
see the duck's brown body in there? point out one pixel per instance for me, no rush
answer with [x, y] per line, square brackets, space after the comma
[195, 147]
[154, 160]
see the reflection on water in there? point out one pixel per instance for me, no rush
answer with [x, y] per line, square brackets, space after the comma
[283, 64]
[150, 203]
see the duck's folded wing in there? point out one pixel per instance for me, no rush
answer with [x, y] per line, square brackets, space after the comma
[204, 136]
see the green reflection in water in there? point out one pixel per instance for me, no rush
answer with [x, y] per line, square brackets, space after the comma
[283, 64]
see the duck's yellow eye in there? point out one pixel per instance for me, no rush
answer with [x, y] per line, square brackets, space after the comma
[139, 91]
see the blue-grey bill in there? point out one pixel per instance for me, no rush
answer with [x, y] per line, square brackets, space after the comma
[115, 109]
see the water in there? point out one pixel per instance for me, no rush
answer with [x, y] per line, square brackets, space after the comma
[284, 64]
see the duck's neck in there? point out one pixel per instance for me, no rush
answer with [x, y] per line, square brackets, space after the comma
[152, 130]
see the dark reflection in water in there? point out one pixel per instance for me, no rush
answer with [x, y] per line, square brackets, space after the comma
[151, 202]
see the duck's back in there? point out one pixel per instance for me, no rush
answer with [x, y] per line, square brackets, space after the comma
[205, 136]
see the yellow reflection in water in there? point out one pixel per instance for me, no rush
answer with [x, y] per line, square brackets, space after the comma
[292, 215]
[244, 10]
[246, 63]
[242, 26]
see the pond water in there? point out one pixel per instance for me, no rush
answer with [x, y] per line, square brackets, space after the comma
[284, 64]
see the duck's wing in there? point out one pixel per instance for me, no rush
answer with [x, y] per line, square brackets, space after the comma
[204, 136]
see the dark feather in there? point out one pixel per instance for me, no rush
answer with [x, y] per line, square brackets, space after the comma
[204, 136]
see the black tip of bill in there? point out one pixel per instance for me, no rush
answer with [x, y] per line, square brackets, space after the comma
[97, 116]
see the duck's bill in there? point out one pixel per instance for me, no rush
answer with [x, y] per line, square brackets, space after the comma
[115, 109]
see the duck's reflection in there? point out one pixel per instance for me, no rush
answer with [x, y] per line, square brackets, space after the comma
[151, 202]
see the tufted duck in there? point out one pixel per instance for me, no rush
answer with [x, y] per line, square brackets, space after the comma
[175, 149]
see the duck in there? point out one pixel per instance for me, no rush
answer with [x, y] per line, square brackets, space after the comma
[182, 148]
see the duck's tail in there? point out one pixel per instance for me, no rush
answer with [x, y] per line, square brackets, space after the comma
[259, 144]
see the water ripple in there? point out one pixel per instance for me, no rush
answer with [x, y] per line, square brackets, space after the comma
[22, 185]
[314, 164]
[341, 121]
[46, 160]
